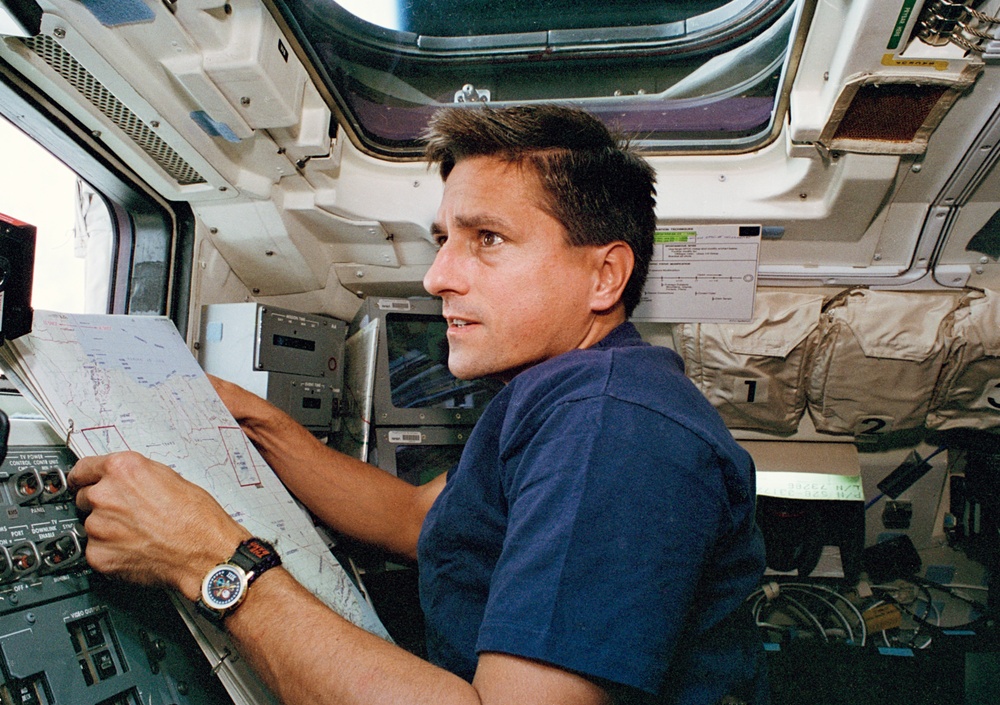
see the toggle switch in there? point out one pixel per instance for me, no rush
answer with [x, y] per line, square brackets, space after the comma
[24, 559]
[60, 552]
[54, 485]
[6, 566]
[28, 487]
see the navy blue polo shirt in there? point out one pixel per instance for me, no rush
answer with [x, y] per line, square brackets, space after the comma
[601, 520]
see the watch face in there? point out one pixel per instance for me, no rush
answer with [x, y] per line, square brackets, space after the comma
[224, 587]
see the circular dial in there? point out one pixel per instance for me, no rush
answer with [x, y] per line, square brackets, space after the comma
[224, 587]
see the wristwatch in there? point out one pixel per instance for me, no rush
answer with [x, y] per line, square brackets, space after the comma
[226, 585]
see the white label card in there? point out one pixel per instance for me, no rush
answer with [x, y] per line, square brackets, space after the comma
[702, 274]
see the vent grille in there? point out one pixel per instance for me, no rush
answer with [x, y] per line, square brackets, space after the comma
[88, 86]
[892, 114]
[889, 113]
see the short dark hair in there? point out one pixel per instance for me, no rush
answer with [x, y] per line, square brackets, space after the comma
[598, 187]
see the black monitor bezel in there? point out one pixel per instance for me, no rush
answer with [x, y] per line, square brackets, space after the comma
[384, 413]
[385, 449]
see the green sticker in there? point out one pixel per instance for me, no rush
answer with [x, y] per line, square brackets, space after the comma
[674, 235]
[808, 485]
[904, 17]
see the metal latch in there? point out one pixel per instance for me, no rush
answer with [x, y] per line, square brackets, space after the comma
[471, 94]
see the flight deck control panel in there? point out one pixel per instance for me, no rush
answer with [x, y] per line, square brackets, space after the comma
[68, 635]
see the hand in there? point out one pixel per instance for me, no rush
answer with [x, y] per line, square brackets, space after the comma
[262, 422]
[242, 404]
[148, 525]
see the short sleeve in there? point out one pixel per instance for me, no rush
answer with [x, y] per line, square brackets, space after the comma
[613, 512]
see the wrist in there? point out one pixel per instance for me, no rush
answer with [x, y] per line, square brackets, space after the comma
[216, 550]
[225, 586]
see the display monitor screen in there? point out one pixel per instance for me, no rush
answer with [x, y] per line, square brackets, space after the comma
[418, 367]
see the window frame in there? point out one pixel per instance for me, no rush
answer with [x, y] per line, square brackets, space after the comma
[145, 277]
[366, 37]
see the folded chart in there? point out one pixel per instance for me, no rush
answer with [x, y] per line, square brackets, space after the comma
[108, 383]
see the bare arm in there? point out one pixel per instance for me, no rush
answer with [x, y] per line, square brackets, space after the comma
[353, 497]
[147, 524]
[371, 671]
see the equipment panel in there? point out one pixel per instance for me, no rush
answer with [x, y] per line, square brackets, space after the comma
[292, 359]
[68, 635]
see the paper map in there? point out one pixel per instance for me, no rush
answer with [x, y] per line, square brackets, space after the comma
[109, 383]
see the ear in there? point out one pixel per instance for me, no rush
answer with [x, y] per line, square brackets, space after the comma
[613, 267]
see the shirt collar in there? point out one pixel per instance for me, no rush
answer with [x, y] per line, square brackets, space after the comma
[623, 335]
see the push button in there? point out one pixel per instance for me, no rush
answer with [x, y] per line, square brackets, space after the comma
[88, 677]
[105, 665]
[92, 633]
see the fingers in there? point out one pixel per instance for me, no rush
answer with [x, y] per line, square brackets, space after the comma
[226, 389]
[217, 382]
[82, 501]
[87, 471]
[82, 478]
[147, 524]
[232, 395]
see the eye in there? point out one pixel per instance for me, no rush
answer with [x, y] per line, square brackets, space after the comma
[490, 239]
[440, 239]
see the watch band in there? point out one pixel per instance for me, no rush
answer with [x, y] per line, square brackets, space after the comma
[225, 586]
[255, 556]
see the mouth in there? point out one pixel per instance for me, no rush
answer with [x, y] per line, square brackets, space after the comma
[455, 323]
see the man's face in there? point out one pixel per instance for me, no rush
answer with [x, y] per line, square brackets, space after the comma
[515, 292]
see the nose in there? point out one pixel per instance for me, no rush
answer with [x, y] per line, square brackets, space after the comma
[447, 272]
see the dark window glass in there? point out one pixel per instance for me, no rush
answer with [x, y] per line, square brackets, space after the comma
[677, 75]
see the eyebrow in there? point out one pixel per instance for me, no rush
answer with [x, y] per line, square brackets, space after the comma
[473, 221]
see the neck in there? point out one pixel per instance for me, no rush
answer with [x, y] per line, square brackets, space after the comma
[602, 324]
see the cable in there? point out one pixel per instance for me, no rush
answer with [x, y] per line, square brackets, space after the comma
[925, 584]
[863, 626]
[923, 622]
[975, 31]
[775, 596]
[885, 636]
[983, 17]
[809, 616]
[912, 641]
[873, 500]
[833, 609]
[963, 43]
[345, 426]
[962, 586]
[907, 595]
[804, 614]
[4, 434]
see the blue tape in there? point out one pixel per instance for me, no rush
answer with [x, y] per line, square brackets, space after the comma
[112, 13]
[940, 573]
[213, 332]
[214, 128]
[895, 651]
[771, 646]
